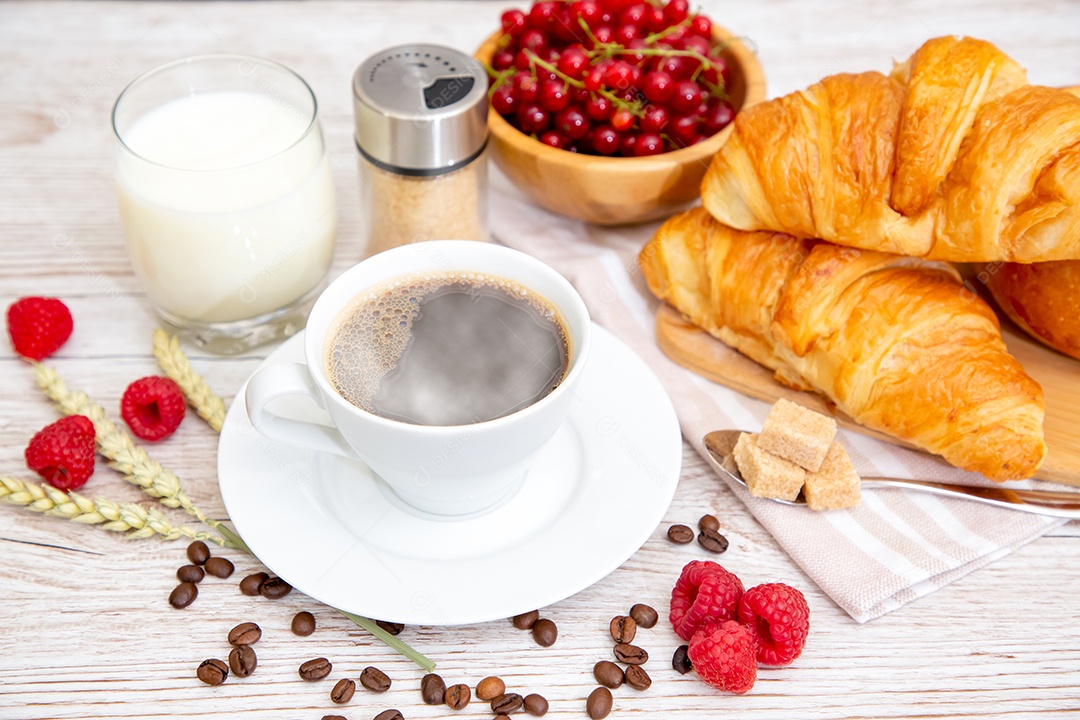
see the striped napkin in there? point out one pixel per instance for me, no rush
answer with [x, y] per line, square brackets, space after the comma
[894, 547]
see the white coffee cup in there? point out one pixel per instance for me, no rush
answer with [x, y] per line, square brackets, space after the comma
[442, 470]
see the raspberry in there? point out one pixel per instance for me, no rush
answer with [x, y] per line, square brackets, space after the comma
[779, 619]
[63, 453]
[38, 326]
[153, 407]
[705, 592]
[723, 656]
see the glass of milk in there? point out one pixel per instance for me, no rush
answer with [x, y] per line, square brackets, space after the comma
[226, 199]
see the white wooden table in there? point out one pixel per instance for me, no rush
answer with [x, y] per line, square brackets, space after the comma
[85, 629]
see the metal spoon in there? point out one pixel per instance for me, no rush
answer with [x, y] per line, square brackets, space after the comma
[721, 444]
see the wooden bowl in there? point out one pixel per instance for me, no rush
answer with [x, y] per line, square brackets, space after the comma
[618, 190]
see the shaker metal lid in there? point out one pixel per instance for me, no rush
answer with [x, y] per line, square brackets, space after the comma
[420, 107]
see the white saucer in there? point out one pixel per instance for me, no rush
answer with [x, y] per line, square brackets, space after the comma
[593, 496]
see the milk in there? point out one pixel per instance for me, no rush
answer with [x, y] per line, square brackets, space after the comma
[227, 204]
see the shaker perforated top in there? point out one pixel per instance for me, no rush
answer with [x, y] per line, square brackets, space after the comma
[420, 108]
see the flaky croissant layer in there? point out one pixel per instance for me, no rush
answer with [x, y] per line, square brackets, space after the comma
[952, 157]
[892, 340]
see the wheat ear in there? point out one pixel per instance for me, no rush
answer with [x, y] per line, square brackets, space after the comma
[130, 460]
[175, 364]
[132, 519]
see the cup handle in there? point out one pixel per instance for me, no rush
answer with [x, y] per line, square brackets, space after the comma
[277, 381]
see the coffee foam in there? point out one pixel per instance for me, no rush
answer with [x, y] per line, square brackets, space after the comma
[369, 335]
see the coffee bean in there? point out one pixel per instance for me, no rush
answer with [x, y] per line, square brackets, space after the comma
[680, 661]
[190, 573]
[198, 553]
[334, 717]
[219, 567]
[536, 705]
[545, 632]
[374, 680]
[631, 654]
[432, 689]
[275, 588]
[490, 688]
[183, 595]
[623, 629]
[343, 691]
[303, 623]
[599, 703]
[712, 541]
[608, 674]
[246, 633]
[502, 717]
[644, 615]
[525, 621]
[212, 671]
[251, 584]
[680, 534]
[242, 660]
[390, 715]
[507, 704]
[637, 678]
[315, 669]
[392, 628]
[708, 522]
[457, 696]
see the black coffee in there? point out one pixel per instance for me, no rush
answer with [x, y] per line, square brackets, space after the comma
[447, 349]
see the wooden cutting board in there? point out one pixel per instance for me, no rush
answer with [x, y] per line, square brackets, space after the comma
[1058, 374]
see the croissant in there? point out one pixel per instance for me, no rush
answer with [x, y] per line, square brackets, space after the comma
[892, 340]
[952, 157]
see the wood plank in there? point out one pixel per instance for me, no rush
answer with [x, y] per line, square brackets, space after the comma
[1059, 375]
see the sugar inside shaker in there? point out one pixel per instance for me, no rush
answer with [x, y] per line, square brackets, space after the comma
[421, 133]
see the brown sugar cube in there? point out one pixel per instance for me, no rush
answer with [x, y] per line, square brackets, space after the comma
[798, 435]
[836, 485]
[767, 475]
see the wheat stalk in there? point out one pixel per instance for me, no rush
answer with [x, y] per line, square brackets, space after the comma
[176, 366]
[130, 460]
[132, 519]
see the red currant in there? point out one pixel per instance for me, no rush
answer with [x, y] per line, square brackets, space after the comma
[502, 60]
[605, 140]
[599, 108]
[634, 15]
[542, 15]
[655, 119]
[701, 25]
[717, 117]
[555, 139]
[572, 123]
[503, 100]
[513, 22]
[526, 86]
[655, 19]
[688, 96]
[676, 11]
[574, 62]
[676, 66]
[604, 34]
[648, 144]
[594, 79]
[534, 40]
[553, 95]
[684, 129]
[627, 33]
[587, 10]
[532, 119]
[658, 87]
[627, 144]
[622, 120]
